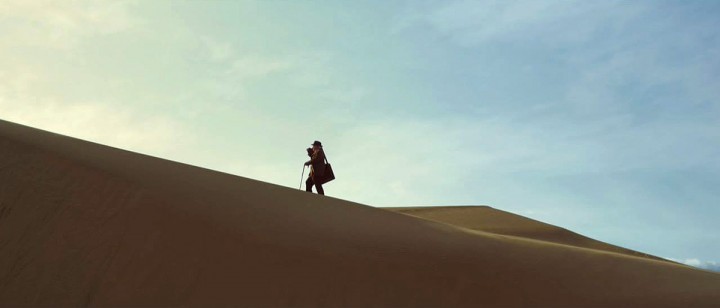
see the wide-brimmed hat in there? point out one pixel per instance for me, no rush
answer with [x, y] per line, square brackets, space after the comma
[317, 143]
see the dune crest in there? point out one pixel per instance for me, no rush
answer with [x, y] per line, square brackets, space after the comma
[85, 224]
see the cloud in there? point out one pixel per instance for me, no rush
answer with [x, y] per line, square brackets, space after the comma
[706, 265]
[619, 78]
[61, 24]
[470, 23]
[95, 121]
[231, 70]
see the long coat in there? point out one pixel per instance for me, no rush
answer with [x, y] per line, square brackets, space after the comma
[317, 161]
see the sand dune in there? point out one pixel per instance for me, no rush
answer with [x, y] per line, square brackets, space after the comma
[488, 219]
[85, 224]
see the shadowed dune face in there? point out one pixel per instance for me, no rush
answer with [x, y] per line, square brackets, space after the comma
[488, 219]
[84, 224]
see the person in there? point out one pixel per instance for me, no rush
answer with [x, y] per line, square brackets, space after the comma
[317, 169]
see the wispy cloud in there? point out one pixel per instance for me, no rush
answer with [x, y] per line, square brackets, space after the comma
[469, 23]
[619, 78]
[694, 262]
[29, 94]
[61, 24]
[110, 124]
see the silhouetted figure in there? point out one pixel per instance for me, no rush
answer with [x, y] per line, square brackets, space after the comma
[317, 169]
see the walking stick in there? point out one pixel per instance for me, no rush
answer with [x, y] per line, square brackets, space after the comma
[301, 177]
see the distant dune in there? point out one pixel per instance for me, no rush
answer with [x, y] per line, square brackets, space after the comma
[487, 219]
[83, 224]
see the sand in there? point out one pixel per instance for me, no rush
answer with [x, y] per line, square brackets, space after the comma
[83, 224]
[488, 219]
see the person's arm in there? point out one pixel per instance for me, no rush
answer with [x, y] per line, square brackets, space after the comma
[317, 157]
[310, 154]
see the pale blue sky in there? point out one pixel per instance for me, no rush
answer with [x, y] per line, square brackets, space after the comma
[597, 116]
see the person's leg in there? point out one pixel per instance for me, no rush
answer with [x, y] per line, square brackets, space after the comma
[309, 184]
[320, 189]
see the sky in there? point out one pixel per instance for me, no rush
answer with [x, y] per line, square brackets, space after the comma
[601, 117]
